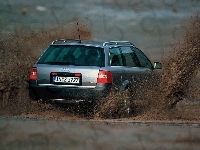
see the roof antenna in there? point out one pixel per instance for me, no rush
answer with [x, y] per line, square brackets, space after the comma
[79, 36]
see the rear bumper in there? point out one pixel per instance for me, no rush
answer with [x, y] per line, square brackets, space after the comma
[68, 93]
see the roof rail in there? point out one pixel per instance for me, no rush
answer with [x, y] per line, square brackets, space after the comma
[117, 43]
[63, 41]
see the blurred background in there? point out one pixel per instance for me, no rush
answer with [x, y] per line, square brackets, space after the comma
[152, 25]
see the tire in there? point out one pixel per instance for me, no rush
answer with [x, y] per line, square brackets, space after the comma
[33, 95]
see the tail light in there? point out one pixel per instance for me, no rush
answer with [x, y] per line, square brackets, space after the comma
[54, 73]
[104, 76]
[77, 74]
[33, 74]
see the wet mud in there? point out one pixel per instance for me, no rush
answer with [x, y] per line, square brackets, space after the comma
[20, 50]
[157, 98]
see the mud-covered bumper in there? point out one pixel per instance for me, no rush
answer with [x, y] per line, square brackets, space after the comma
[68, 94]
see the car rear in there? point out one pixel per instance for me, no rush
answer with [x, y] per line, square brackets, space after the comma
[70, 73]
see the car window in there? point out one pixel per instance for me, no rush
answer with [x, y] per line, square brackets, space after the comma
[115, 57]
[143, 59]
[129, 57]
[123, 56]
[73, 55]
[61, 53]
[51, 54]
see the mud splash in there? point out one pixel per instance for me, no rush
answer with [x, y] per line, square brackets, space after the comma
[179, 69]
[18, 53]
[21, 49]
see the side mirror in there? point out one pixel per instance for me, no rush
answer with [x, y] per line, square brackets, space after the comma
[157, 65]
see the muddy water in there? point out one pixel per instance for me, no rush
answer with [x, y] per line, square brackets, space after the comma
[150, 21]
[20, 50]
[182, 65]
[23, 47]
[179, 68]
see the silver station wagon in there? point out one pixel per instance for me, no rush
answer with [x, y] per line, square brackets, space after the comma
[72, 71]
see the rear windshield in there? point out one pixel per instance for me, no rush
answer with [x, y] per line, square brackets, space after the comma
[73, 55]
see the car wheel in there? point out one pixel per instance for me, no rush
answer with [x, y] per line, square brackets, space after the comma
[33, 95]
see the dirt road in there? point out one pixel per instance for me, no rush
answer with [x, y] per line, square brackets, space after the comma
[22, 133]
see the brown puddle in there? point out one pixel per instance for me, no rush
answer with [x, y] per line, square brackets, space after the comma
[191, 140]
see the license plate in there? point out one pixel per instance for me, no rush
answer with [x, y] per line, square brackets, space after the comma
[66, 79]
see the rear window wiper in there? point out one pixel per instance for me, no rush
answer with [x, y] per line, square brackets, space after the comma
[58, 63]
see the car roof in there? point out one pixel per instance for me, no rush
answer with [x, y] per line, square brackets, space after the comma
[91, 43]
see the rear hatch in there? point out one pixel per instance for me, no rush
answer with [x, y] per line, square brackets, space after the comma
[72, 65]
[67, 75]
